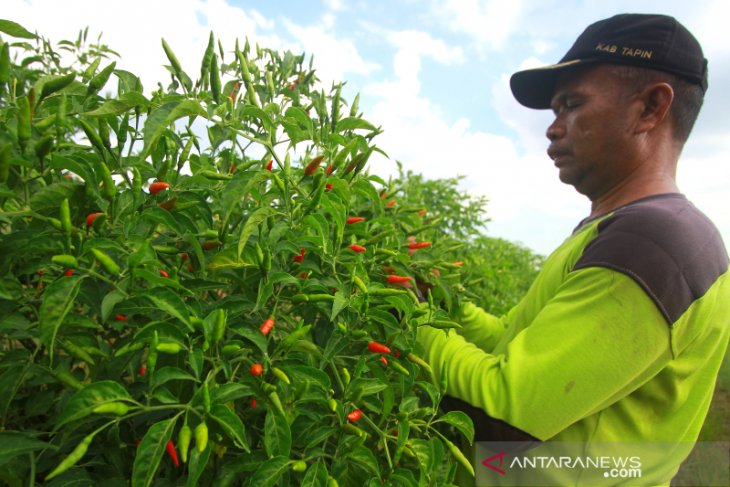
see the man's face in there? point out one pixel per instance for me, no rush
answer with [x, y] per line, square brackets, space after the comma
[591, 137]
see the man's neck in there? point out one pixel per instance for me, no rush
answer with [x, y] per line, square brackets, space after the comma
[632, 190]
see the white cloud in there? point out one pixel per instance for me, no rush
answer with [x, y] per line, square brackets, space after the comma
[333, 57]
[335, 5]
[490, 22]
[135, 29]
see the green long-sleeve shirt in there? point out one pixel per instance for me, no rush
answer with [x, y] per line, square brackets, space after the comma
[619, 338]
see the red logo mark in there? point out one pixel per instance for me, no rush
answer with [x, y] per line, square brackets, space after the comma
[487, 463]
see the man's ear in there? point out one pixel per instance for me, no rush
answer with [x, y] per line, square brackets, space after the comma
[657, 99]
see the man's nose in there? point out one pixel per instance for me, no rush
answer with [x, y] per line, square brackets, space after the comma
[555, 131]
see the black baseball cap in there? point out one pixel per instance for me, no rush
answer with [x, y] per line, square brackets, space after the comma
[651, 41]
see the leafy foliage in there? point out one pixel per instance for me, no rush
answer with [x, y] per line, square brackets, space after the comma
[133, 310]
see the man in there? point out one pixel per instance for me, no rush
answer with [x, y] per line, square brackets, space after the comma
[621, 335]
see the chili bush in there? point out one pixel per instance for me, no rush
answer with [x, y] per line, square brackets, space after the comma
[204, 285]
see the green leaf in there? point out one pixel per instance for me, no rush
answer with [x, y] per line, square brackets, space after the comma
[364, 457]
[58, 299]
[198, 461]
[85, 400]
[230, 392]
[300, 373]
[338, 305]
[14, 444]
[10, 289]
[15, 30]
[316, 475]
[264, 118]
[270, 471]
[108, 303]
[166, 300]
[368, 386]
[277, 434]
[352, 123]
[124, 103]
[460, 421]
[150, 451]
[231, 424]
[162, 217]
[160, 119]
[166, 374]
[252, 223]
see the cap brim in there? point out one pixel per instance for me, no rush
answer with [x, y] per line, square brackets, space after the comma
[534, 88]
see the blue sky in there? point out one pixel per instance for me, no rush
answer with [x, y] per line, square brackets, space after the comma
[434, 74]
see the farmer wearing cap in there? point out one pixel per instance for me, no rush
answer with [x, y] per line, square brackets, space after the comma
[621, 335]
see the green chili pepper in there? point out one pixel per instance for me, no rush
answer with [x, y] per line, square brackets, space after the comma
[296, 335]
[72, 458]
[173, 60]
[116, 408]
[360, 284]
[387, 291]
[185, 154]
[104, 135]
[5, 63]
[201, 437]
[459, 456]
[91, 69]
[270, 84]
[109, 189]
[92, 135]
[43, 147]
[65, 216]
[247, 78]
[68, 379]
[332, 403]
[65, 260]
[215, 79]
[230, 349]
[122, 131]
[332, 482]
[53, 85]
[419, 361]
[23, 120]
[345, 374]
[97, 82]
[314, 202]
[219, 325]
[215, 175]
[279, 183]
[106, 262]
[351, 429]
[443, 324]
[168, 347]
[136, 180]
[274, 397]
[281, 375]
[336, 107]
[183, 441]
[4, 162]
[151, 360]
[399, 368]
[354, 107]
[299, 466]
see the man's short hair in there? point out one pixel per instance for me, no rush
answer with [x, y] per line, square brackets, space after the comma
[688, 96]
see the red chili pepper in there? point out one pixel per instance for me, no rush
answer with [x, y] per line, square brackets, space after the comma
[457, 264]
[390, 203]
[396, 353]
[376, 347]
[303, 275]
[253, 403]
[422, 212]
[292, 86]
[419, 245]
[256, 369]
[328, 186]
[436, 272]
[142, 371]
[40, 272]
[329, 170]
[69, 273]
[90, 219]
[164, 273]
[158, 186]
[184, 256]
[357, 248]
[384, 360]
[392, 278]
[266, 326]
[313, 165]
[190, 268]
[388, 269]
[121, 318]
[270, 165]
[355, 415]
[354, 219]
[233, 92]
[300, 257]
[170, 449]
